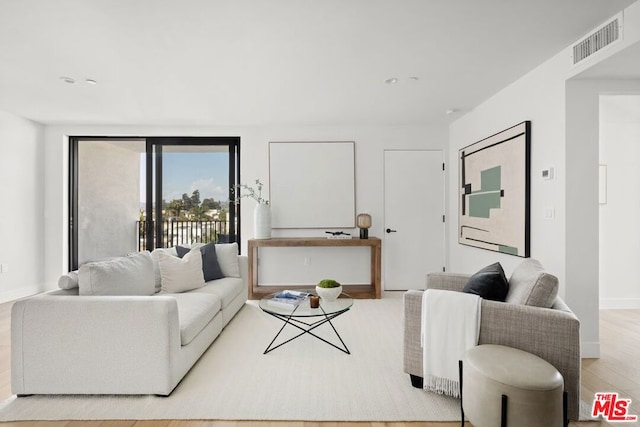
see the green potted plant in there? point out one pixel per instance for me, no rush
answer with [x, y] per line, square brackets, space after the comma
[328, 289]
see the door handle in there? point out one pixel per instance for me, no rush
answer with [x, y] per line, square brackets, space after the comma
[391, 231]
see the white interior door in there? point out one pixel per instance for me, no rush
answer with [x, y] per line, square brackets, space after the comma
[413, 217]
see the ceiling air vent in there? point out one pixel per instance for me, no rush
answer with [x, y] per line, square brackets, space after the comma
[598, 39]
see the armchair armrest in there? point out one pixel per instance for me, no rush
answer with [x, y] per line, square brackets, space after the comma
[447, 281]
[412, 329]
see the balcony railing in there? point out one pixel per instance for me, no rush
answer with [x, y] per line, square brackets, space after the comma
[178, 232]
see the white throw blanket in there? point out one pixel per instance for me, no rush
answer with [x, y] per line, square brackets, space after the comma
[450, 326]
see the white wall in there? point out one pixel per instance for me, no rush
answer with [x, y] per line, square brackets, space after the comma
[563, 112]
[21, 214]
[581, 227]
[619, 225]
[582, 148]
[370, 144]
[538, 97]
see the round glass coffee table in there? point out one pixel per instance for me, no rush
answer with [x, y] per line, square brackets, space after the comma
[305, 318]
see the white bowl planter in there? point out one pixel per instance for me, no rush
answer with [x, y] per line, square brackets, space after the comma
[329, 294]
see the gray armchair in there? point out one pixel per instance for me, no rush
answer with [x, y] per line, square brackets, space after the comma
[550, 333]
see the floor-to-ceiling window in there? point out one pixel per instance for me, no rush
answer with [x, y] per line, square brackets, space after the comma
[132, 194]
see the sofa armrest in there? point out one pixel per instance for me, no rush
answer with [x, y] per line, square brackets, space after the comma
[66, 344]
[243, 263]
[553, 335]
[447, 281]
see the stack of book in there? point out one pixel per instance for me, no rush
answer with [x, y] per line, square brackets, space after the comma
[340, 237]
[288, 298]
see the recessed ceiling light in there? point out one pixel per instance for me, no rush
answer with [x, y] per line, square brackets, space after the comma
[67, 80]
[391, 81]
[451, 111]
[414, 78]
[90, 81]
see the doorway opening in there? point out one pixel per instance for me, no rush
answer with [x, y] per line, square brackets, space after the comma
[619, 207]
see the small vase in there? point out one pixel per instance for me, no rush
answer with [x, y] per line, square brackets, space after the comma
[329, 294]
[262, 221]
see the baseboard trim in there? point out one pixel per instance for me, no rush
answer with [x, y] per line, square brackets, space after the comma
[590, 350]
[619, 303]
[22, 292]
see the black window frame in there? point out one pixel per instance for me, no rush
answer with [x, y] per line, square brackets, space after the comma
[153, 147]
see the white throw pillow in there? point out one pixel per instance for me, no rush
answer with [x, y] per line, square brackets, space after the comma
[227, 254]
[131, 275]
[156, 264]
[181, 274]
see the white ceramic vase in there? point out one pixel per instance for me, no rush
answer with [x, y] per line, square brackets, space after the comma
[329, 294]
[262, 221]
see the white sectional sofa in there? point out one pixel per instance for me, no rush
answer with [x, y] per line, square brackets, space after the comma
[71, 341]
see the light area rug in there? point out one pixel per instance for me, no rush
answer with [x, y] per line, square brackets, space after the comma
[305, 380]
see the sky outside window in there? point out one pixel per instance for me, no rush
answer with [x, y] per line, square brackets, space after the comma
[187, 172]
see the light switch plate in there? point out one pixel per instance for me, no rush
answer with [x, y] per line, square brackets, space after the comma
[549, 213]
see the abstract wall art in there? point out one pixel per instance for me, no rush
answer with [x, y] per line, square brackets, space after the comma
[494, 197]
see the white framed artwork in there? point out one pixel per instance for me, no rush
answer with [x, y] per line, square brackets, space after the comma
[312, 184]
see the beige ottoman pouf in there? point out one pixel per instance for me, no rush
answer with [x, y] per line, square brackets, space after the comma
[532, 386]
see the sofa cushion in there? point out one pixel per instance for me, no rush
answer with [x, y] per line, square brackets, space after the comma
[130, 275]
[227, 254]
[69, 280]
[529, 284]
[226, 289]
[181, 274]
[210, 267]
[195, 311]
[488, 283]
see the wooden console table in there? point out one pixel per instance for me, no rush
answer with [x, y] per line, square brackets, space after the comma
[369, 290]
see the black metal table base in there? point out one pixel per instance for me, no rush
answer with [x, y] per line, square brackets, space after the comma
[307, 328]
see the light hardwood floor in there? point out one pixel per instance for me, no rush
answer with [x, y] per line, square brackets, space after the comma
[617, 370]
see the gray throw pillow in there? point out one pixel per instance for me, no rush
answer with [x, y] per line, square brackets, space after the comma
[531, 285]
[210, 266]
[227, 254]
[488, 283]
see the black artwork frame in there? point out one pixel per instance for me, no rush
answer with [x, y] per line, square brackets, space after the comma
[494, 203]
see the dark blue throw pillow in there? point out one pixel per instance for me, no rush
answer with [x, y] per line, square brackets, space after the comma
[210, 267]
[489, 283]
[182, 251]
